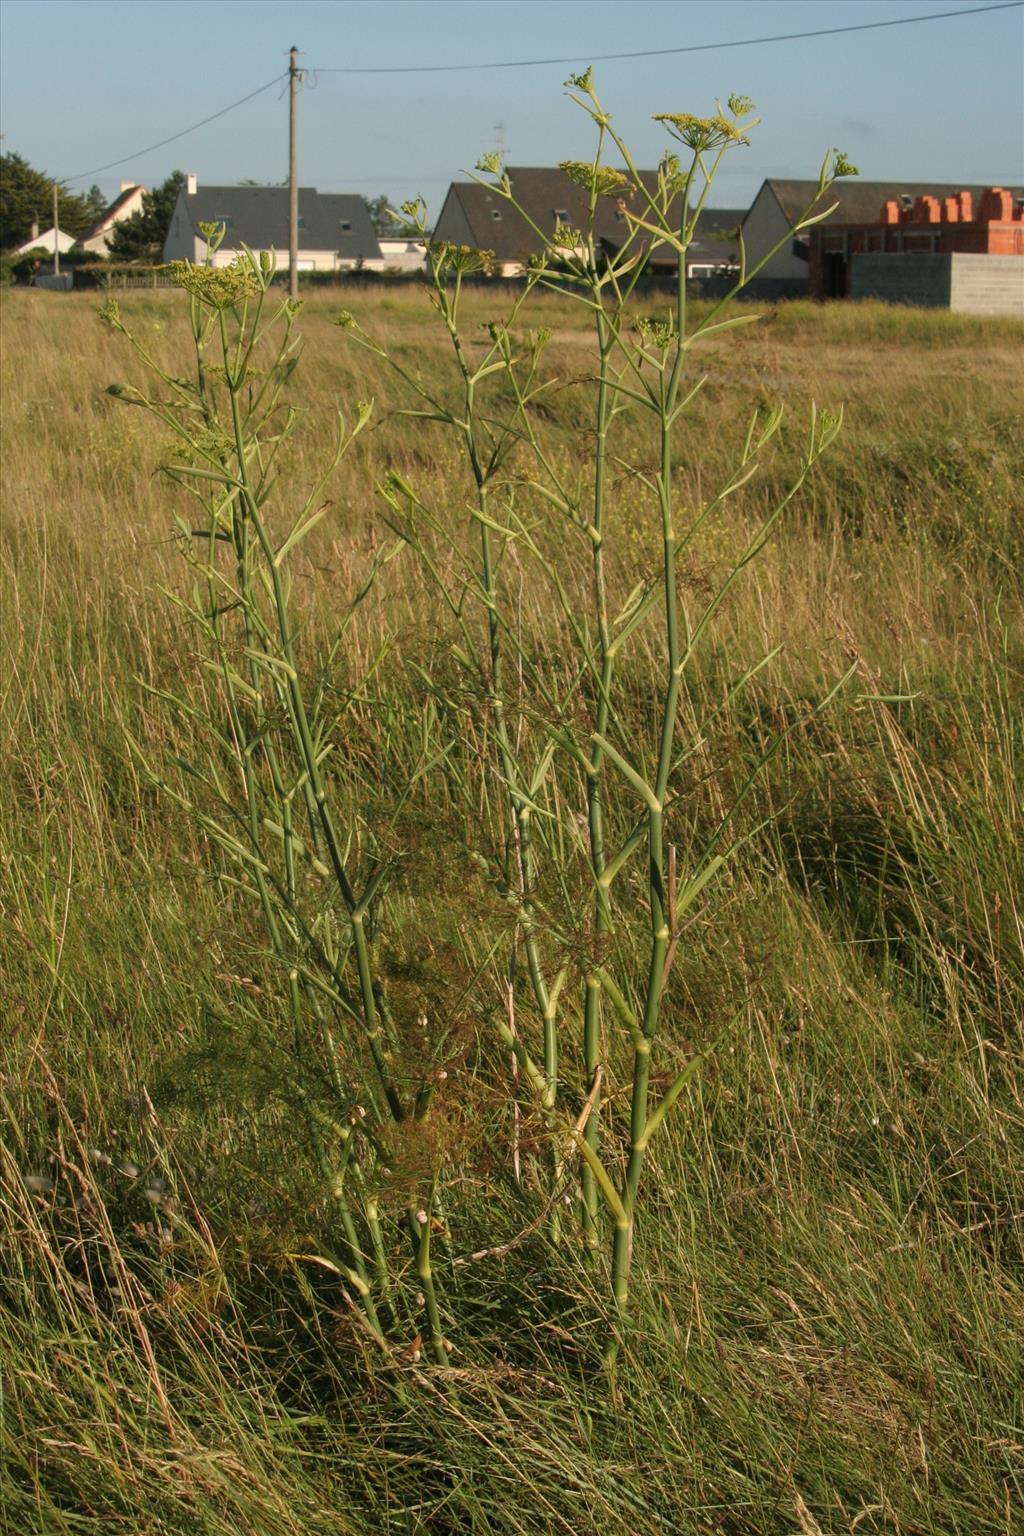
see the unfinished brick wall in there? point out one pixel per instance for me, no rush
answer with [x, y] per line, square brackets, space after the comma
[929, 225]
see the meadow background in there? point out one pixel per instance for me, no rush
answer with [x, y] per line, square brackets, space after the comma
[829, 1286]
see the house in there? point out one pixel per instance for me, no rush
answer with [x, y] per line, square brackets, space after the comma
[716, 246]
[960, 252]
[474, 214]
[45, 241]
[779, 204]
[335, 233]
[402, 254]
[128, 201]
[714, 250]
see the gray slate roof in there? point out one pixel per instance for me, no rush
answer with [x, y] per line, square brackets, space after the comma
[860, 202]
[259, 218]
[474, 214]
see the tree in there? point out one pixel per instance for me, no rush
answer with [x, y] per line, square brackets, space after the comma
[141, 237]
[27, 194]
[385, 222]
[95, 202]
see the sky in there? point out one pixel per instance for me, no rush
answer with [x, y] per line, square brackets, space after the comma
[87, 82]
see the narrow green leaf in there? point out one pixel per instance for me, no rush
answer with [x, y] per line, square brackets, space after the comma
[604, 1183]
[299, 532]
[628, 772]
[722, 325]
[689, 894]
[689, 1071]
[273, 664]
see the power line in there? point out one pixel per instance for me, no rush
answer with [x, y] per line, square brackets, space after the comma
[433, 69]
[170, 140]
[652, 53]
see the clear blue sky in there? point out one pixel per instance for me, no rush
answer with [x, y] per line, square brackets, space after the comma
[88, 81]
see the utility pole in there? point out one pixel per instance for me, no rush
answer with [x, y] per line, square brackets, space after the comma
[56, 235]
[293, 173]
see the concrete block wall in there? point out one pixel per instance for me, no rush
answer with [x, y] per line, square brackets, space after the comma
[987, 285]
[916, 277]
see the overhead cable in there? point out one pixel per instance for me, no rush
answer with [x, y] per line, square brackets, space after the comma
[648, 53]
[657, 53]
[137, 155]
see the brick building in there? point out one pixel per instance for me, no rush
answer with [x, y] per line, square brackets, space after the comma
[964, 251]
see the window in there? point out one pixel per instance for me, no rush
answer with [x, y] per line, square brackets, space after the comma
[561, 215]
[346, 225]
[496, 214]
[302, 222]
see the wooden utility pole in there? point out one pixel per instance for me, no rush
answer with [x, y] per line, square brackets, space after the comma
[293, 173]
[56, 235]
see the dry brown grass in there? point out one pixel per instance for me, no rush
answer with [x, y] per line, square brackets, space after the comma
[830, 1311]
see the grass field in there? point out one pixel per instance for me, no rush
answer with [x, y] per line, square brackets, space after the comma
[827, 1328]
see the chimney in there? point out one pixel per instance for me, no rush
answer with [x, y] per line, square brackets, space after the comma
[191, 184]
[126, 186]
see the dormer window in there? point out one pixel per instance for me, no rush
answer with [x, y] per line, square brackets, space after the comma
[345, 225]
[561, 215]
[302, 222]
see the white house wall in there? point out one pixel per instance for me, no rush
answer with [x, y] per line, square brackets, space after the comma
[309, 261]
[45, 242]
[99, 244]
[403, 255]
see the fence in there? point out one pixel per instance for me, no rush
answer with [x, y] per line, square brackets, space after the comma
[761, 290]
[106, 277]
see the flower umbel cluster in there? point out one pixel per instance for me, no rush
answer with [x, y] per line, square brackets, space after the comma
[702, 133]
[464, 260]
[219, 287]
[670, 173]
[605, 180]
[566, 237]
[655, 333]
[582, 82]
